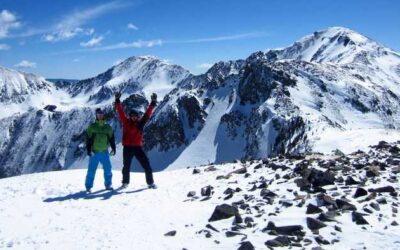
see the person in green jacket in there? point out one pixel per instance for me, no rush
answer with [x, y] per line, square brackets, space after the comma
[99, 135]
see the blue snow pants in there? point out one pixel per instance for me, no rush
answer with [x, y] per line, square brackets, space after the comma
[95, 159]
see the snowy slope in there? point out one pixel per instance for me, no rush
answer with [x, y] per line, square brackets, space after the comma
[16, 86]
[336, 45]
[49, 210]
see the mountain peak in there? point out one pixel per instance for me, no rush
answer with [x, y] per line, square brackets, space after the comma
[16, 86]
[346, 34]
[332, 45]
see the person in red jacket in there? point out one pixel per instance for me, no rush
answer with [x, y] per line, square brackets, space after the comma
[132, 139]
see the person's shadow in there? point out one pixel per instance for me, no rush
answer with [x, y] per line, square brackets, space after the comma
[101, 194]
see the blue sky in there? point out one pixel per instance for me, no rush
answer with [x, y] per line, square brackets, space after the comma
[79, 39]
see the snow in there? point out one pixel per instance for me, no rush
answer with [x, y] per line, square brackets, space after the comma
[50, 211]
[349, 141]
[203, 149]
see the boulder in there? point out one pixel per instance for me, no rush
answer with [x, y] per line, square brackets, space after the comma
[222, 212]
[314, 224]
[312, 209]
[358, 218]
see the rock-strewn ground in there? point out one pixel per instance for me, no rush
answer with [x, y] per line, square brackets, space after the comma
[299, 202]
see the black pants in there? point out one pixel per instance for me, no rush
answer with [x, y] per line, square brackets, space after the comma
[130, 152]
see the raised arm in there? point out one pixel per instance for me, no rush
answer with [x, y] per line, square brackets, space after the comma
[120, 110]
[149, 111]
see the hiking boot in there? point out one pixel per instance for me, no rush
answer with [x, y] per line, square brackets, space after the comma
[88, 190]
[109, 188]
[152, 186]
[124, 185]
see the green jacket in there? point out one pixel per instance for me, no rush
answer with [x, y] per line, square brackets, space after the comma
[98, 135]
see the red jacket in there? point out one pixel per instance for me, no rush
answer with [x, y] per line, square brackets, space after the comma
[132, 132]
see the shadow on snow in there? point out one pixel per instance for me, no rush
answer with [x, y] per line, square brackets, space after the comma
[101, 194]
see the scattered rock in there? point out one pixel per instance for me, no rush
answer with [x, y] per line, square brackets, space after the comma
[285, 230]
[314, 224]
[328, 216]
[191, 194]
[337, 228]
[170, 233]
[312, 209]
[196, 171]
[209, 226]
[320, 240]
[223, 211]
[246, 245]
[360, 192]
[351, 181]
[344, 205]
[207, 191]
[280, 241]
[386, 189]
[232, 234]
[210, 169]
[373, 171]
[358, 218]
[242, 170]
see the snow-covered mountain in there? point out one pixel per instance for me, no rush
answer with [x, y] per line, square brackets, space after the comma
[312, 96]
[335, 89]
[336, 45]
[17, 86]
[303, 202]
[144, 74]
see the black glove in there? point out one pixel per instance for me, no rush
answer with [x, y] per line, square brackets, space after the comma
[154, 99]
[117, 97]
[112, 153]
[89, 153]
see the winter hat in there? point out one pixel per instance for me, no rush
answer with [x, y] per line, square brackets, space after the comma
[134, 113]
[99, 111]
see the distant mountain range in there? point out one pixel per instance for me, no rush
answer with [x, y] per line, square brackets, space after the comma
[333, 89]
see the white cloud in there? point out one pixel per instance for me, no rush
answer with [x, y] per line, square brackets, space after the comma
[136, 44]
[222, 38]
[93, 42]
[76, 60]
[26, 64]
[131, 26]
[205, 65]
[8, 21]
[4, 46]
[71, 25]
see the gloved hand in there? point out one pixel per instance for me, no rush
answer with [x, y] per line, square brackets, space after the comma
[117, 97]
[112, 153]
[89, 153]
[154, 98]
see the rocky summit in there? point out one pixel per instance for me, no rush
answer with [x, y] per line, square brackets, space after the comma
[305, 201]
